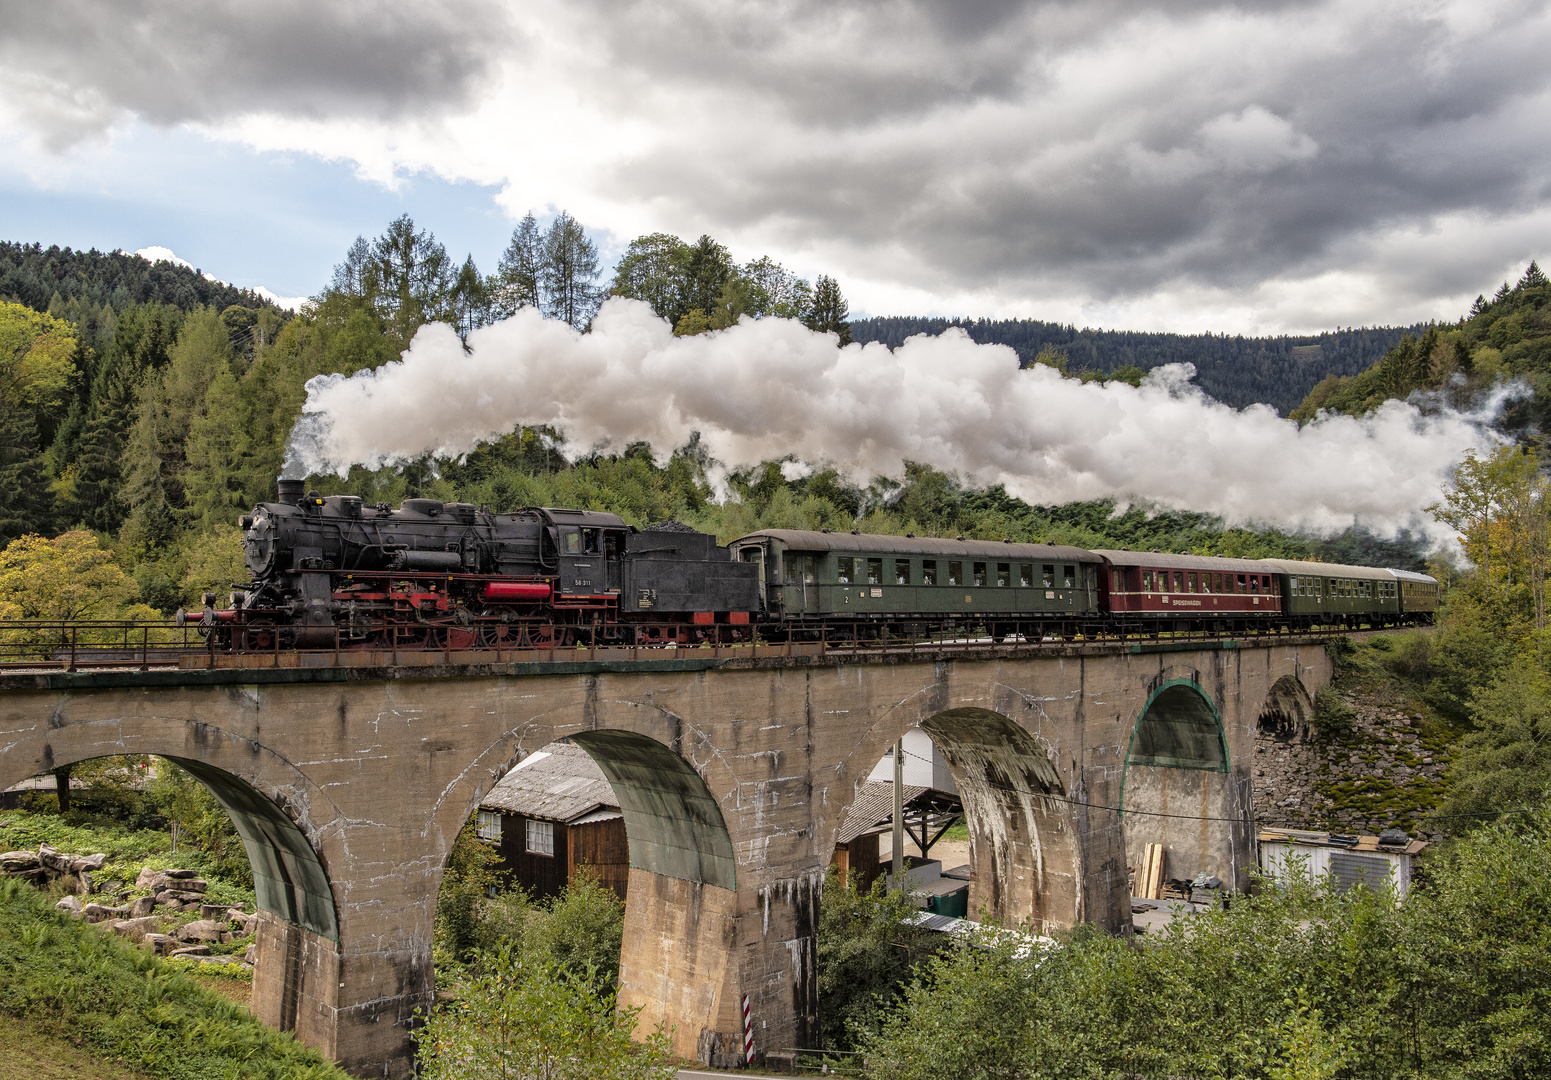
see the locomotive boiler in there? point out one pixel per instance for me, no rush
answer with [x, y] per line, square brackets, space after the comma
[332, 572]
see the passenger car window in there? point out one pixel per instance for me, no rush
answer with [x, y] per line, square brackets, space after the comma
[1050, 576]
[955, 573]
[1179, 581]
[980, 573]
[1192, 584]
[1069, 576]
[902, 571]
[843, 570]
[928, 571]
[875, 571]
[1003, 575]
[1147, 581]
[1026, 575]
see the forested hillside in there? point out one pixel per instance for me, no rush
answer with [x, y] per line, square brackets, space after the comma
[1237, 370]
[136, 406]
[1502, 341]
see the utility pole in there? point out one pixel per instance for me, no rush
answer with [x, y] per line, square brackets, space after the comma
[898, 881]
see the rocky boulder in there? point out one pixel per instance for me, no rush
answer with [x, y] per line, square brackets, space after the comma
[137, 929]
[199, 930]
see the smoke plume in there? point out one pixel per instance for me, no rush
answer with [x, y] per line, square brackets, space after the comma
[765, 389]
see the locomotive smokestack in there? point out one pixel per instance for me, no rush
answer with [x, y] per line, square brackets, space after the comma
[291, 491]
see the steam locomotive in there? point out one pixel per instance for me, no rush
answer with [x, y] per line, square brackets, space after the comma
[331, 572]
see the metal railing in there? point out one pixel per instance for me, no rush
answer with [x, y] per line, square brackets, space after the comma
[107, 644]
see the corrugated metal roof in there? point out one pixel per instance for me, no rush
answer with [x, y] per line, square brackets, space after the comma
[807, 540]
[873, 806]
[1185, 562]
[559, 783]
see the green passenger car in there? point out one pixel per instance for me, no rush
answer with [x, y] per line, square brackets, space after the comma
[1314, 592]
[1418, 596]
[814, 575]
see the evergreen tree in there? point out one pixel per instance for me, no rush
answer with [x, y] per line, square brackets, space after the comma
[468, 304]
[217, 447]
[707, 268]
[409, 277]
[26, 505]
[569, 272]
[516, 281]
[830, 311]
[1533, 277]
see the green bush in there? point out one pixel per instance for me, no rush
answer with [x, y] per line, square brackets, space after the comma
[521, 1018]
[74, 981]
[865, 956]
[1296, 981]
[1333, 718]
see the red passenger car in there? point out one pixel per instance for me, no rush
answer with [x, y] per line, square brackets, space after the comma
[1201, 589]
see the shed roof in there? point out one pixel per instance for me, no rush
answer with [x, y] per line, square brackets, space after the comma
[810, 540]
[559, 783]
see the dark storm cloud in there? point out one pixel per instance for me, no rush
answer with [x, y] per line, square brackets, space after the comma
[75, 66]
[1116, 146]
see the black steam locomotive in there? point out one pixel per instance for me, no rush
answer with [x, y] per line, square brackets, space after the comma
[331, 572]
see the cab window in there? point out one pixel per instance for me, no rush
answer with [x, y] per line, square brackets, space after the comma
[572, 542]
[592, 541]
[928, 571]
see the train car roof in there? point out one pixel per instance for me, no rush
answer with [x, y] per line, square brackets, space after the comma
[1123, 557]
[1322, 569]
[809, 540]
[1408, 575]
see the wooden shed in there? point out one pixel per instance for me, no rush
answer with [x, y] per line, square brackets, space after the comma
[553, 814]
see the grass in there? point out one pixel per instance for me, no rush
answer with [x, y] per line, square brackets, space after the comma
[128, 850]
[76, 985]
[27, 1053]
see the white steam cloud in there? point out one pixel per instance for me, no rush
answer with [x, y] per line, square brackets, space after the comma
[766, 389]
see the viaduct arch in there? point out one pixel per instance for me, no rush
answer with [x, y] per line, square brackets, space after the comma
[350, 787]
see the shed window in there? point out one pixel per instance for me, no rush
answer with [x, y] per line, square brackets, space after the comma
[928, 571]
[844, 570]
[1003, 575]
[902, 571]
[541, 837]
[489, 825]
[955, 573]
[980, 574]
[1050, 576]
[875, 571]
[1069, 577]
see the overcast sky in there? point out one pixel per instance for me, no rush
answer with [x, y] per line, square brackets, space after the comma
[1186, 166]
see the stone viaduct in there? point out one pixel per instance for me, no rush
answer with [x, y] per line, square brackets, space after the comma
[350, 784]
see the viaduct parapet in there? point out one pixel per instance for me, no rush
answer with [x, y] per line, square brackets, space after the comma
[349, 786]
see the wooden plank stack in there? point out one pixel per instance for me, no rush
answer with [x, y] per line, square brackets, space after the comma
[1152, 873]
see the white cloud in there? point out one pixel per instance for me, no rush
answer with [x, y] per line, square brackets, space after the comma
[1214, 165]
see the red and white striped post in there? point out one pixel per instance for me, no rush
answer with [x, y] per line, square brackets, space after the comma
[748, 1034]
